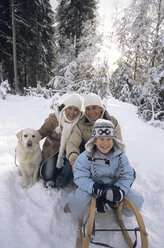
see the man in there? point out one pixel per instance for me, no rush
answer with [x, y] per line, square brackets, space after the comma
[82, 131]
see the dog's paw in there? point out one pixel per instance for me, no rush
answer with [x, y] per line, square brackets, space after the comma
[19, 173]
[24, 185]
[34, 181]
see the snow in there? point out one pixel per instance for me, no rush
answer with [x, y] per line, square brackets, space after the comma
[34, 217]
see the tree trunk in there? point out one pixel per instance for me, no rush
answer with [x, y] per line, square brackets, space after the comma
[155, 53]
[16, 85]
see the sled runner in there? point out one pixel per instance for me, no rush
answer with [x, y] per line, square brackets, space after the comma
[84, 239]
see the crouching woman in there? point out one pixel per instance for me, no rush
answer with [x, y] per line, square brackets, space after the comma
[102, 170]
[55, 168]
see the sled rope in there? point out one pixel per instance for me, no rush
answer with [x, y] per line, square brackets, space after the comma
[121, 167]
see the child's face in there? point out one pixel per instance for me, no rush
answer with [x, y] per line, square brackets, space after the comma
[104, 144]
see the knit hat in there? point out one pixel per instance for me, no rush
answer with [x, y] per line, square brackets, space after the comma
[103, 128]
[92, 99]
[73, 100]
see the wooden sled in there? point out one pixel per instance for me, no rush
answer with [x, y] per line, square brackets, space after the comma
[83, 242]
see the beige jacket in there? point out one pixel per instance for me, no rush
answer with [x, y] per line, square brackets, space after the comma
[81, 134]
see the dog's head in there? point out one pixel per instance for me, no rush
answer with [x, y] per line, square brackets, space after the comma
[28, 137]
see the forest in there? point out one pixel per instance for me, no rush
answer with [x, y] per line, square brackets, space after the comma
[43, 49]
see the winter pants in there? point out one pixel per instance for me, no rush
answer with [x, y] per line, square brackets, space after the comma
[49, 172]
[79, 199]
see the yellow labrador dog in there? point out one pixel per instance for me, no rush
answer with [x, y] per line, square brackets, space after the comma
[28, 154]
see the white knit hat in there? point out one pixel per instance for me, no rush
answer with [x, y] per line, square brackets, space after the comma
[73, 100]
[103, 128]
[92, 99]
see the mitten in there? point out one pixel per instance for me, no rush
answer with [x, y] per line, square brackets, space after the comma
[114, 194]
[100, 205]
[97, 189]
[104, 206]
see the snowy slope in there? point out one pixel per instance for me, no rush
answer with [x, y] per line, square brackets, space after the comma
[34, 217]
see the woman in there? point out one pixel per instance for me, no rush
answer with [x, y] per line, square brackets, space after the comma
[55, 168]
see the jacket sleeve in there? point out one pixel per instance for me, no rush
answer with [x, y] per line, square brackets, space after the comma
[82, 174]
[117, 126]
[73, 145]
[118, 132]
[127, 177]
[48, 126]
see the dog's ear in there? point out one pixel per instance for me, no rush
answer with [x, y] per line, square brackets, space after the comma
[38, 137]
[19, 135]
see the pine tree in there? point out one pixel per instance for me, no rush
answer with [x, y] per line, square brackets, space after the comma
[152, 99]
[100, 82]
[122, 82]
[35, 49]
[35, 41]
[76, 31]
[139, 33]
[6, 52]
[71, 17]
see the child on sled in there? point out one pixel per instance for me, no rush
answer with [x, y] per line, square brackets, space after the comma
[102, 171]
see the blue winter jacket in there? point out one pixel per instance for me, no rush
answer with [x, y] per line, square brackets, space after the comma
[109, 170]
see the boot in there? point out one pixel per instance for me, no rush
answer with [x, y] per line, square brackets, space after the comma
[65, 176]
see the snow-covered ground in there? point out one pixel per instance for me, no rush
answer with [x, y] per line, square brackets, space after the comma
[34, 217]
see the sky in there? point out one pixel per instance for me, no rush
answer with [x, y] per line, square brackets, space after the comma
[34, 217]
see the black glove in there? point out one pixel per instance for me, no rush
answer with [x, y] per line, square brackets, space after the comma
[97, 189]
[104, 206]
[114, 194]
